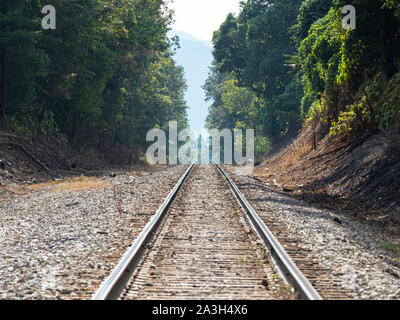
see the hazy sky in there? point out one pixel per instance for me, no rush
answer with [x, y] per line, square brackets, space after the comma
[198, 18]
[202, 17]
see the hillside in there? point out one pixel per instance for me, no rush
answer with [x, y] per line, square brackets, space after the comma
[300, 69]
[360, 176]
[25, 161]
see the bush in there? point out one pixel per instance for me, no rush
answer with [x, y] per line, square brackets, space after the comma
[355, 118]
[50, 128]
[388, 107]
[22, 124]
[261, 145]
[374, 108]
[26, 124]
[317, 112]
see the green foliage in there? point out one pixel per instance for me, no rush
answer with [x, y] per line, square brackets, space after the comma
[317, 111]
[343, 65]
[50, 128]
[388, 106]
[305, 68]
[390, 247]
[26, 63]
[320, 55]
[234, 107]
[287, 107]
[22, 124]
[253, 52]
[354, 118]
[309, 12]
[374, 106]
[261, 145]
[106, 70]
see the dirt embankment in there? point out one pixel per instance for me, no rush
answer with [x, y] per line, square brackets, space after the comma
[25, 161]
[358, 176]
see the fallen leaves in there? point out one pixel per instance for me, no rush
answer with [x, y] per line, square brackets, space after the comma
[71, 184]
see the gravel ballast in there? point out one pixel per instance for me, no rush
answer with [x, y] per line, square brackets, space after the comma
[61, 243]
[354, 252]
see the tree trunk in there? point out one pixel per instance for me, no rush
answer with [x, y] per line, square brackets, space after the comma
[3, 86]
[74, 132]
[387, 63]
[40, 119]
[314, 141]
[44, 102]
[136, 153]
[130, 154]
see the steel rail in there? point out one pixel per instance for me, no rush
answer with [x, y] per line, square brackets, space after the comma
[288, 268]
[114, 284]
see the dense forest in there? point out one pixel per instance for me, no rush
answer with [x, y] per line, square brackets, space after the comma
[285, 64]
[105, 73]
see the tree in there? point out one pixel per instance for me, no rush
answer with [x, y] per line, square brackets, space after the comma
[105, 73]
[303, 65]
[22, 63]
[255, 48]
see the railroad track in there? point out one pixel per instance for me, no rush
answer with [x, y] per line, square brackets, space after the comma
[206, 242]
[315, 270]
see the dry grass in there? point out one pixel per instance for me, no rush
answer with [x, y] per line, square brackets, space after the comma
[299, 149]
[71, 184]
[41, 186]
[12, 188]
[289, 166]
[294, 156]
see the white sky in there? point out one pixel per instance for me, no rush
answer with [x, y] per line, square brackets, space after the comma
[201, 18]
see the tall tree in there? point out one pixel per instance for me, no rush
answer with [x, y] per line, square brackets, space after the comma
[22, 63]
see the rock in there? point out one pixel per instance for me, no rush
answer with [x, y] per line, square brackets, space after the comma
[63, 251]
[265, 283]
[392, 204]
[336, 219]
[72, 204]
[392, 273]
[287, 190]
[65, 291]
[72, 163]
[113, 175]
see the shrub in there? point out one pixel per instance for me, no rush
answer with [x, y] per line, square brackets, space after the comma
[388, 107]
[261, 145]
[355, 118]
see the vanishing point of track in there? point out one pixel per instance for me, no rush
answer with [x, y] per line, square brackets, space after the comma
[206, 242]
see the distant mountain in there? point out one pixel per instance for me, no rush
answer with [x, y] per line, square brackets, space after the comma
[195, 56]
